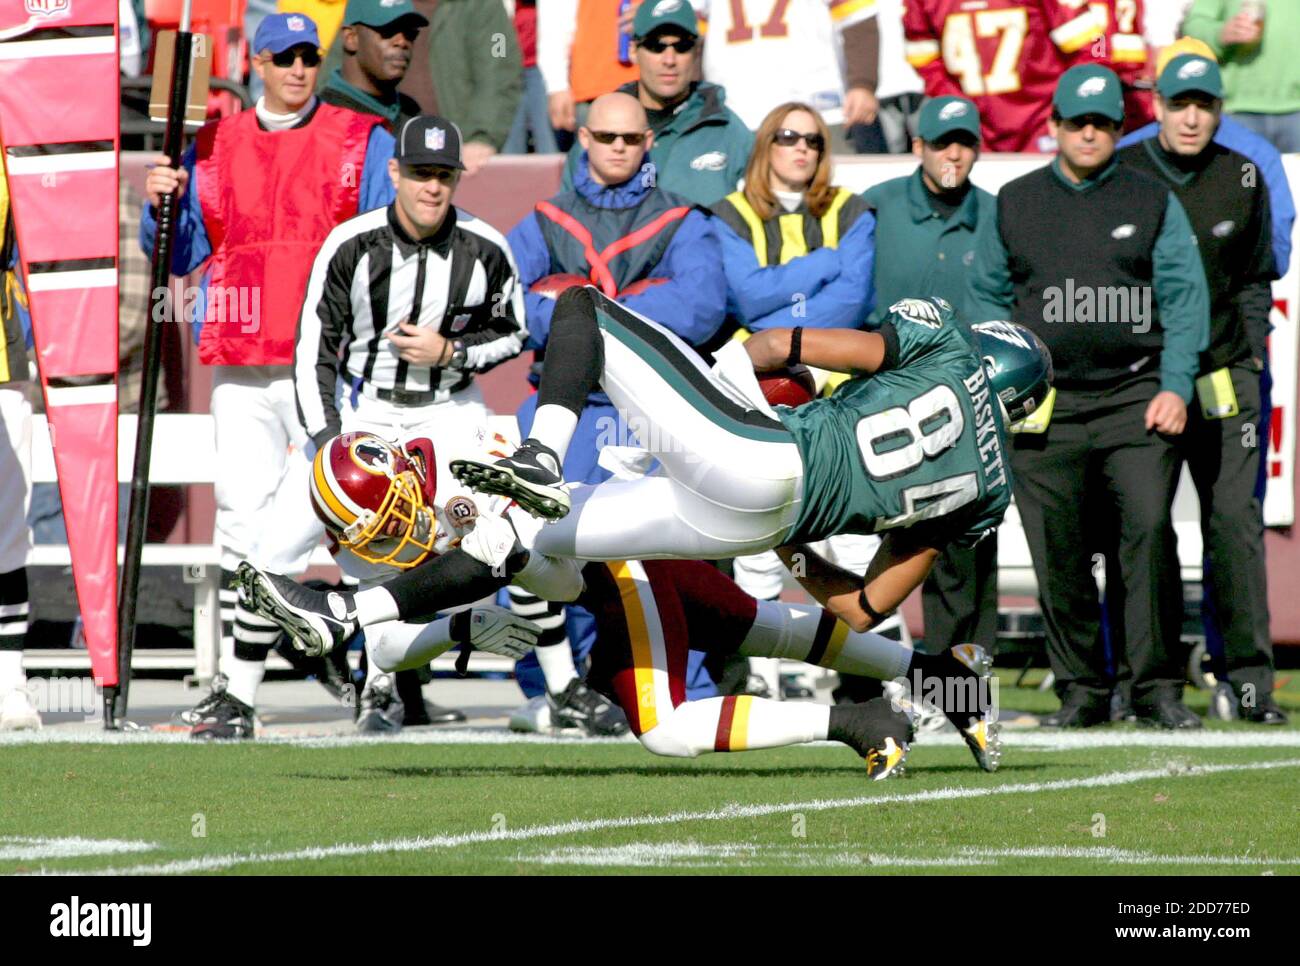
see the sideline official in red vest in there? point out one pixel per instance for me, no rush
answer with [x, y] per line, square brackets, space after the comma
[259, 193]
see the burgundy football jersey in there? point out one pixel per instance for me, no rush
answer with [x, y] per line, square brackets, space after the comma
[1006, 56]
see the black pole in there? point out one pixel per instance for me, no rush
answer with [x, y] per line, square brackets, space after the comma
[115, 698]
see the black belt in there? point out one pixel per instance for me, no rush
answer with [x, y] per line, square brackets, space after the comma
[406, 397]
[415, 397]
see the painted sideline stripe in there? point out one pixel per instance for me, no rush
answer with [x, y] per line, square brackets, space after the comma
[22, 849]
[1029, 739]
[726, 813]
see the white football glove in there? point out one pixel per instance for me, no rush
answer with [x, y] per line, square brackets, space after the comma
[498, 631]
[492, 540]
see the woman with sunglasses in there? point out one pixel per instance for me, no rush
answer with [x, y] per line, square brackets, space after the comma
[797, 249]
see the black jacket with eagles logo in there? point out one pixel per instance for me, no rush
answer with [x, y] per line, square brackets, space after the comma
[1227, 204]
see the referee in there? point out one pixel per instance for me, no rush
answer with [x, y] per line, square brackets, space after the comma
[1231, 218]
[404, 305]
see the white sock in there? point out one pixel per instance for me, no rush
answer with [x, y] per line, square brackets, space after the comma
[697, 727]
[11, 671]
[553, 426]
[373, 670]
[796, 631]
[557, 665]
[243, 678]
[374, 606]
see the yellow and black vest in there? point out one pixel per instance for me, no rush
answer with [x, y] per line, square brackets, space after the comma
[13, 341]
[787, 236]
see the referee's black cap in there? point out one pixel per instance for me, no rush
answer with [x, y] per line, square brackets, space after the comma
[429, 139]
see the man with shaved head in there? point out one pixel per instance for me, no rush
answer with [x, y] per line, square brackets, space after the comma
[654, 252]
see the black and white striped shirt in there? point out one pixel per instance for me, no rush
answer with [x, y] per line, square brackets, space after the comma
[369, 275]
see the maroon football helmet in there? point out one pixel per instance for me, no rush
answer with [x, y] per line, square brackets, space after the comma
[376, 498]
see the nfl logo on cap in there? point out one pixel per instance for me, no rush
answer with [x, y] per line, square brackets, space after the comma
[955, 109]
[47, 8]
[435, 139]
[296, 24]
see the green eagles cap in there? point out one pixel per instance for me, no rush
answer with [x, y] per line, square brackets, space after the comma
[380, 13]
[1188, 73]
[944, 115]
[1089, 89]
[654, 14]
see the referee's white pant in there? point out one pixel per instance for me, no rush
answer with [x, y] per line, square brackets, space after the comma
[264, 513]
[457, 426]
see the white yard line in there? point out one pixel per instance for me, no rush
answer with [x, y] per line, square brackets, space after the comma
[1029, 740]
[726, 813]
[23, 849]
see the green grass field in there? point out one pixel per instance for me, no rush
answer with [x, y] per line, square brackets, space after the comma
[1114, 801]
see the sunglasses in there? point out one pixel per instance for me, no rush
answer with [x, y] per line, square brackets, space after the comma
[286, 58]
[656, 46]
[630, 138]
[788, 139]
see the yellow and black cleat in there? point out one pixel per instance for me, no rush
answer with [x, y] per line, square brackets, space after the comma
[889, 759]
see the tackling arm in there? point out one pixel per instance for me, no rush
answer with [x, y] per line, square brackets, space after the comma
[897, 569]
[841, 350]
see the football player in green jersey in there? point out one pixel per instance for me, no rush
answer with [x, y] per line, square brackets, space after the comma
[911, 448]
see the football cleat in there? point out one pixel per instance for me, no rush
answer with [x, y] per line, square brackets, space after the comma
[317, 621]
[875, 731]
[382, 710]
[581, 707]
[532, 717]
[227, 719]
[17, 713]
[978, 727]
[192, 716]
[531, 476]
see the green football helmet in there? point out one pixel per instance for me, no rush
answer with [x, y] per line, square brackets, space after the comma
[1018, 366]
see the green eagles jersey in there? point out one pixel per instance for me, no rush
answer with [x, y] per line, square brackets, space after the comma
[919, 443]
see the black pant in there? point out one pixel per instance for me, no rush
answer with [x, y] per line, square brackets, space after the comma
[1097, 451]
[1223, 456]
[960, 598]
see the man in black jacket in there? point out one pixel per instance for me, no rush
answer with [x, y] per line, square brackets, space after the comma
[1124, 309]
[1229, 212]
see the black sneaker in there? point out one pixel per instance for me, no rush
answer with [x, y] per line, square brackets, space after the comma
[381, 709]
[531, 476]
[875, 731]
[318, 621]
[227, 719]
[581, 707]
[192, 716]
[973, 714]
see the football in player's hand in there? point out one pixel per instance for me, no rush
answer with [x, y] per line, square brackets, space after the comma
[791, 386]
[553, 286]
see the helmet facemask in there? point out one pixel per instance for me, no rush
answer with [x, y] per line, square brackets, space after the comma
[400, 533]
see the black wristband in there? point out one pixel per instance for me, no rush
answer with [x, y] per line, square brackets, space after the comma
[458, 629]
[796, 346]
[875, 615]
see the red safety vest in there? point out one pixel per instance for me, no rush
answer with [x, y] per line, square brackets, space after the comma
[269, 198]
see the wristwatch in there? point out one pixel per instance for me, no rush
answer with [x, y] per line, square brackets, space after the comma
[458, 355]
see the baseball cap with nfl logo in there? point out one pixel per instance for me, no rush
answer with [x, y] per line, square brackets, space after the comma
[280, 31]
[429, 139]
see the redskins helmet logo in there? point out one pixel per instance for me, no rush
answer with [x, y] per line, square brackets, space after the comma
[373, 455]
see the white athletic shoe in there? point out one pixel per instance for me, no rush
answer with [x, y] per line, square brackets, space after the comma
[533, 717]
[17, 713]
